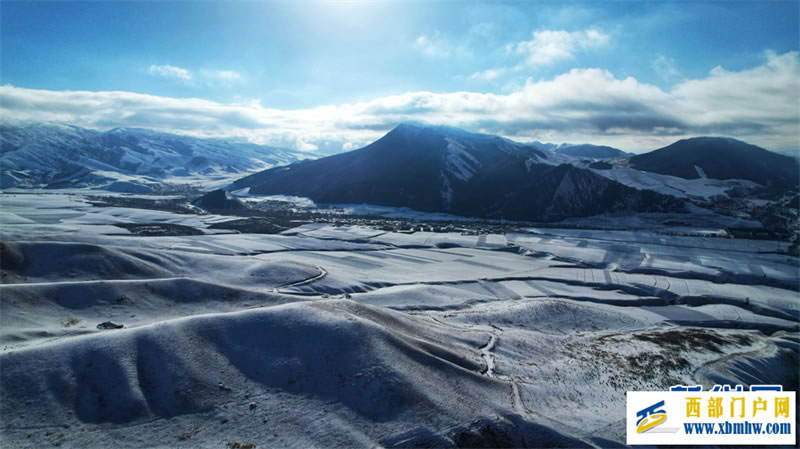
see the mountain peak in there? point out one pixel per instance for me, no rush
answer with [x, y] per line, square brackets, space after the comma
[443, 169]
[720, 158]
[715, 139]
[415, 128]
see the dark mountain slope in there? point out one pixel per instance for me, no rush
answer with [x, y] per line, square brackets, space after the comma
[567, 191]
[409, 164]
[721, 158]
[219, 200]
[439, 169]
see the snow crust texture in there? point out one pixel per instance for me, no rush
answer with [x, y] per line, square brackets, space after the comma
[327, 336]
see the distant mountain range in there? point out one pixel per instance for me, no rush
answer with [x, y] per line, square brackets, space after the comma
[122, 159]
[427, 168]
[442, 169]
[590, 151]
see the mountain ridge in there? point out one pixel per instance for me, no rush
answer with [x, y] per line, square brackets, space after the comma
[590, 151]
[55, 155]
[441, 169]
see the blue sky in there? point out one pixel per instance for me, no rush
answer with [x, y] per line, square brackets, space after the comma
[315, 59]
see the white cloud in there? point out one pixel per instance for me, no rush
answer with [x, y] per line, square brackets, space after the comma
[488, 75]
[759, 105]
[666, 68]
[170, 71]
[549, 46]
[226, 75]
[220, 78]
[212, 78]
[483, 29]
[432, 46]
[545, 47]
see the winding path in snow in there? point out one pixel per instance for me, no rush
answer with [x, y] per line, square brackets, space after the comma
[322, 274]
[488, 356]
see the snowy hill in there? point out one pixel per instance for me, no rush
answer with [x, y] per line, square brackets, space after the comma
[442, 169]
[350, 336]
[56, 156]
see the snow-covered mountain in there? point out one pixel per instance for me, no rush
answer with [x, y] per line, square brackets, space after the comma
[442, 169]
[55, 156]
[721, 158]
[704, 169]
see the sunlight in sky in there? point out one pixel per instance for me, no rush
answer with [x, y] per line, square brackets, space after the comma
[337, 74]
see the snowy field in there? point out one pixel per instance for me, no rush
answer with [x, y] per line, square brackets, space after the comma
[329, 336]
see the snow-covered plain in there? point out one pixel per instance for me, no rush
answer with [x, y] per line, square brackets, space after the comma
[328, 336]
